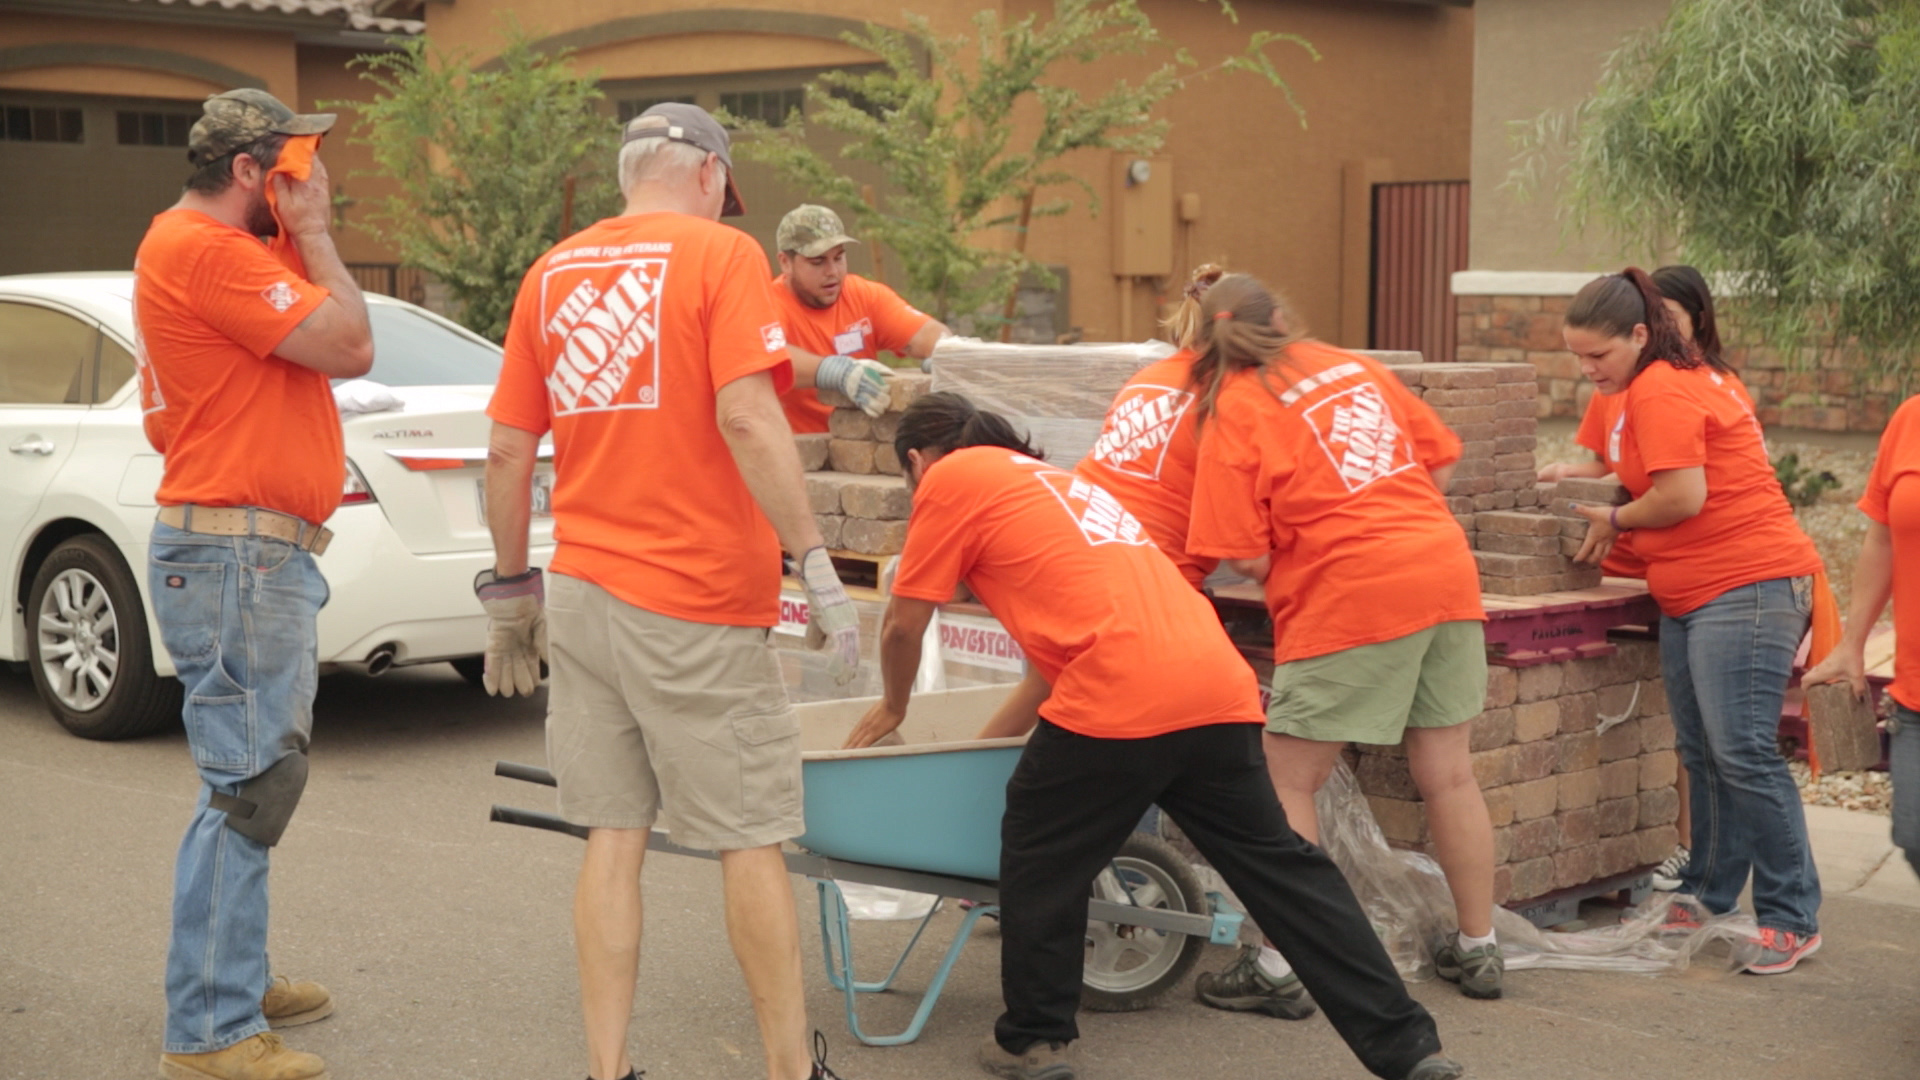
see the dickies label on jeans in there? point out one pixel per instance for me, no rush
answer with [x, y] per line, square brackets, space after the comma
[175, 581]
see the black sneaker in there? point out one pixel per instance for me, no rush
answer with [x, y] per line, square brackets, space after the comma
[1243, 987]
[1478, 971]
[820, 1070]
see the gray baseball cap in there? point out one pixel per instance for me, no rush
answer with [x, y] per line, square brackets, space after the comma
[231, 120]
[811, 231]
[696, 127]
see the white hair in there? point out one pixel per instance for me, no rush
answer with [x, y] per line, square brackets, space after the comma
[660, 159]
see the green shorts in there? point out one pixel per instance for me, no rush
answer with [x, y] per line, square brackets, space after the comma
[1431, 678]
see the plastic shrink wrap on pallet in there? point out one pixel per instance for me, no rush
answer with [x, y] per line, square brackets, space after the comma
[1057, 394]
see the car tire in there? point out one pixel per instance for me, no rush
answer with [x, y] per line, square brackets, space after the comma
[91, 584]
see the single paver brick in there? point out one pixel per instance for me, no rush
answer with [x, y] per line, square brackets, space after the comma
[813, 451]
[1491, 730]
[881, 498]
[1578, 826]
[1656, 733]
[1661, 806]
[1536, 720]
[873, 537]
[1658, 769]
[1540, 682]
[1579, 790]
[1535, 798]
[1517, 523]
[1577, 751]
[850, 424]
[1532, 878]
[1620, 741]
[851, 456]
[1618, 816]
[1502, 687]
[1575, 866]
[1535, 838]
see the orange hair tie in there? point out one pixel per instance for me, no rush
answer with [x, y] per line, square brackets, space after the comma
[1218, 315]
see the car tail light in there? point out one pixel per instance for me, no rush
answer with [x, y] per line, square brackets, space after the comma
[430, 464]
[356, 489]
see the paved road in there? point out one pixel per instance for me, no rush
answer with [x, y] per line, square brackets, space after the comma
[446, 940]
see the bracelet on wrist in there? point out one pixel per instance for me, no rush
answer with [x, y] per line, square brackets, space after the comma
[1613, 519]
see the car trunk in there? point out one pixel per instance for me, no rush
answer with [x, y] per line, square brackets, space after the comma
[426, 466]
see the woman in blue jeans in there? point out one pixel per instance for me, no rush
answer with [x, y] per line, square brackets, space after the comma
[1733, 575]
[1889, 568]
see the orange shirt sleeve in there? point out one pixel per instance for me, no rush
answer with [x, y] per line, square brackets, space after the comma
[894, 320]
[1897, 445]
[1229, 519]
[744, 335]
[520, 397]
[1669, 424]
[943, 540]
[1593, 426]
[241, 290]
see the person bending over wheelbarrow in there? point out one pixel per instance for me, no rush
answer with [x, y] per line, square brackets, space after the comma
[1144, 701]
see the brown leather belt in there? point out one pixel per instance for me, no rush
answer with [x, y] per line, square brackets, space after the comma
[247, 521]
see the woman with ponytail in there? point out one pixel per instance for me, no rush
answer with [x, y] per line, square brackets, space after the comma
[1320, 475]
[1146, 451]
[1735, 580]
[1684, 293]
[1141, 700]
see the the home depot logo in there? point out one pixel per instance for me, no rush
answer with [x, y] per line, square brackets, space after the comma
[1139, 428]
[604, 318]
[1101, 518]
[1360, 436]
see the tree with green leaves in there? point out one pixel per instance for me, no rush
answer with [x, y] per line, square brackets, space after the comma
[970, 133]
[1774, 143]
[485, 157]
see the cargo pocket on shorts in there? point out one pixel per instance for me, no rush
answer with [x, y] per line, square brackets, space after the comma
[769, 765]
[220, 725]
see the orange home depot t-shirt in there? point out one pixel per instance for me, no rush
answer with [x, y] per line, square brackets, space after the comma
[867, 318]
[1131, 649]
[1893, 500]
[1145, 457]
[237, 425]
[1323, 461]
[1746, 531]
[620, 337]
[1601, 424]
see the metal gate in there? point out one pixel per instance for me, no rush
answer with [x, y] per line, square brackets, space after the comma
[1419, 240]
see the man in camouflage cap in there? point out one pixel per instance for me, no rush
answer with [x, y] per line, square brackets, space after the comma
[837, 322]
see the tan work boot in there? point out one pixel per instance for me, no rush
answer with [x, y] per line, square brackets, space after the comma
[292, 1002]
[263, 1057]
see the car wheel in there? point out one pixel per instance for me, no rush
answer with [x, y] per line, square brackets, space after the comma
[88, 648]
[474, 669]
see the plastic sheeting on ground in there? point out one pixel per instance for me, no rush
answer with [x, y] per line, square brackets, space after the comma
[1405, 896]
[1057, 394]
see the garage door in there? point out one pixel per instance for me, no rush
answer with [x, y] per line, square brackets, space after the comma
[80, 177]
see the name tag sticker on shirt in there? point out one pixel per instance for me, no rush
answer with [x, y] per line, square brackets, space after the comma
[850, 342]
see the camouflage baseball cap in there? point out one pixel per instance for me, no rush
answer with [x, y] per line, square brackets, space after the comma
[811, 231]
[695, 126]
[231, 120]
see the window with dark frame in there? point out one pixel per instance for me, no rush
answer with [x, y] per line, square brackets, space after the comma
[770, 107]
[41, 123]
[139, 128]
[632, 107]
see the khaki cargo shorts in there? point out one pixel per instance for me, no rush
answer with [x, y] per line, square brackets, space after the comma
[649, 713]
[1430, 678]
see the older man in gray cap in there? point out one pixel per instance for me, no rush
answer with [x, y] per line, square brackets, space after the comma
[837, 322]
[648, 344]
[244, 311]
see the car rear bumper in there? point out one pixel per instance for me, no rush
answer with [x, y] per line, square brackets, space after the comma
[421, 607]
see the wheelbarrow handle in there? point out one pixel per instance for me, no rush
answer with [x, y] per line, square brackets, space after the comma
[532, 774]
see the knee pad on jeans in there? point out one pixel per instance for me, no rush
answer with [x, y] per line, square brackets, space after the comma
[264, 804]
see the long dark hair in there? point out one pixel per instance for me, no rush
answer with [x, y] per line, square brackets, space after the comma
[1236, 333]
[946, 421]
[1685, 286]
[1615, 304]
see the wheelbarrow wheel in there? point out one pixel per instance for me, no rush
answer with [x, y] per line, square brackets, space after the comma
[1131, 967]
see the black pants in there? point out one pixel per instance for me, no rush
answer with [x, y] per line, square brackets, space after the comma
[1070, 805]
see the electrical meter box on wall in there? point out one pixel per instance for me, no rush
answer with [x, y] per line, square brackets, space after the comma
[1142, 209]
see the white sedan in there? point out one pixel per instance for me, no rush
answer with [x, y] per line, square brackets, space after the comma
[77, 506]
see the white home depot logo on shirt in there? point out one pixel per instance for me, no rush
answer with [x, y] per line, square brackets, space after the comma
[1359, 435]
[605, 328]
[280, 296]
[1139, 428]
[1101, 518]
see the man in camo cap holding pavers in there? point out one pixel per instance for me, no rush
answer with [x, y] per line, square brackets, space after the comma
[837, 322]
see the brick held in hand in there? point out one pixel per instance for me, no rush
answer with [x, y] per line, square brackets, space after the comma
[1496, 564]
[1518, 523]
[1606, 490]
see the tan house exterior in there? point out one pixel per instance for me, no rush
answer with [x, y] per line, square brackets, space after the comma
[1390, 100]
[1524, 266]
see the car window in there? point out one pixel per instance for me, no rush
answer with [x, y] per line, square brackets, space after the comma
[116, 369]
[410, 349]
[45, 356]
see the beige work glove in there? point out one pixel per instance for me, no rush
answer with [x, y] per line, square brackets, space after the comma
[832, 623]
[863, 381]
[516, 630]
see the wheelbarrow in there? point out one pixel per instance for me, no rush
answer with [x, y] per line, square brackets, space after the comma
[925, 817]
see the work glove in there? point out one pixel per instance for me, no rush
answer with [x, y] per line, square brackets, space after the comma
[863, 381]
[832, 624]
[516, 630]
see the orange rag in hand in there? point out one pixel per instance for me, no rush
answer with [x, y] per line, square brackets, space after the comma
[296, 164]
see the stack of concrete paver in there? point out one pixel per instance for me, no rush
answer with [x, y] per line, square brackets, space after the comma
[1572, 804]
[1491, 408]
[854, 482]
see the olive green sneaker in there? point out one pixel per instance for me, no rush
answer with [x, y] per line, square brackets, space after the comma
[1243, 987]
[1041, 1061]
[1478, 971]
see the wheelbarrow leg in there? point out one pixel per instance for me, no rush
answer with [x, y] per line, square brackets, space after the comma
[836, 935]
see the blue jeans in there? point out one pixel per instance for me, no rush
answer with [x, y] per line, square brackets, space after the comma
[237, 614]
[1903, 762]
[1726, 665]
